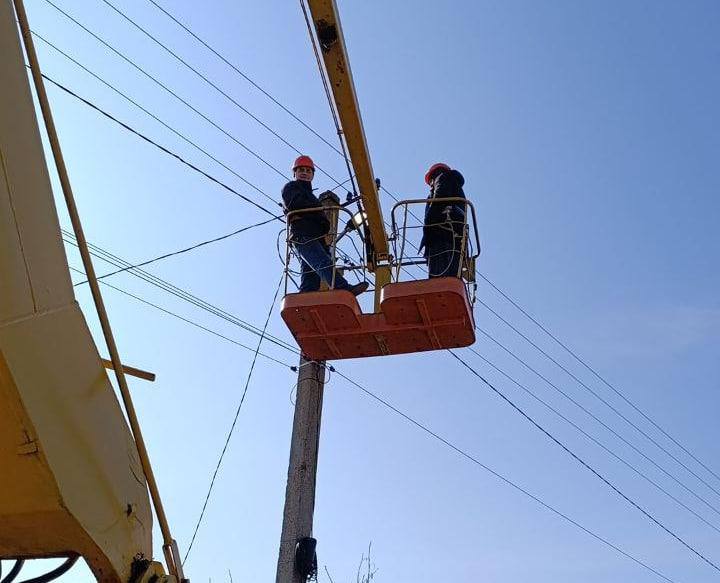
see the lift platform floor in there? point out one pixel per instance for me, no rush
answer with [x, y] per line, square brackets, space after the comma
[415, 316]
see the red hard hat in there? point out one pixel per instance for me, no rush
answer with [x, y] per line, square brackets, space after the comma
[303, 161]
[433, 169]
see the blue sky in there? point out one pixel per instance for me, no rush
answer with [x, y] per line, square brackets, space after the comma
[587, 134]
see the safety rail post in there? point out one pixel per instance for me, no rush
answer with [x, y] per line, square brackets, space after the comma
[170, 552]
[467, 260]
[331, 202]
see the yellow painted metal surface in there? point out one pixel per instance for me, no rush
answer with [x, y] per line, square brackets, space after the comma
[71, 478]
[334, 53]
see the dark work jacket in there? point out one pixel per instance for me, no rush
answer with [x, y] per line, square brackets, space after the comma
[297, 195]
[448, 184]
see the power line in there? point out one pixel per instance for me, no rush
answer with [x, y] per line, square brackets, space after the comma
[160, 147]
[243, 75]
[428, 431]
[234, 423]
[170, 91]
[156, 118]
[498, 475]
[190, 322]
[594, 440]
[212, 84]
[149, 113]
[679, 539]
[326, 87]
[178, 292]
[184, 250]
[600, 421]
[342, 152]
[585, 464]
[623, 417]
[598, 376]
[597, 396]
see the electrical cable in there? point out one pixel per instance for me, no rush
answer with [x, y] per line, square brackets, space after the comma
[330, 101]
[594, 440]
[190, 322]
[597, 396]
[160, 147]
[601, 422]
[586, 465]
[598, 376]
[232, 427]
[439, 438]
[14, 572]
[183, 250]
[683, 485]
[149, 113]
[272, 98]
[243, 75]
[57, 572]
[179, 292]
[501, 477]
[171, 92]
[666, 452]
[213, 85]
[456, 449]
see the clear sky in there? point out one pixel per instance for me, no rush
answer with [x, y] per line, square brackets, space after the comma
[587, 134]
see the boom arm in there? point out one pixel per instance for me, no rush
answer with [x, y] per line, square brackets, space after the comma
[337, 66]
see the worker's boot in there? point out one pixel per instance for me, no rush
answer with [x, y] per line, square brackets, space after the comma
[358, 288]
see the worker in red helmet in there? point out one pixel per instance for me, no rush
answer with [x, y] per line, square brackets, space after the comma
[308, 232]
[444, 225]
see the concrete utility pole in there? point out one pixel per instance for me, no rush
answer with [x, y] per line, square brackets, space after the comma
[302, 469]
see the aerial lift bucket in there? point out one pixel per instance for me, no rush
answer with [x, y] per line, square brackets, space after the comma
[412, 316]
[415, 316]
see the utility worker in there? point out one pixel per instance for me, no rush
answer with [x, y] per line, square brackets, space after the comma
[308, 231]
[444, 225]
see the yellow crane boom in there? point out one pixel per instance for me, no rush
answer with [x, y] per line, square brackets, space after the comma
[72, 479]
[328, 30]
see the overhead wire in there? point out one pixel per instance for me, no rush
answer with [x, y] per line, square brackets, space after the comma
[598, 396]
[500, 476]
[600, 422]
[331, 103]
[212, 84]
[597, 375]
[189, 322]
[613, 388]
[603, 424]
[171, 92]
[435, 436]
[660, 524]
[135, 103]
[160, 147]
[594, 440]
[586, 465]
[177, 157]
[183, 250]
[342, 152]
[607, 427]
[235, 68]
[234, 423]
[178, 292]
[156, 5]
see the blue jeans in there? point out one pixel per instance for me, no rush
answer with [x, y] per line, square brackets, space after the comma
[316, 265]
